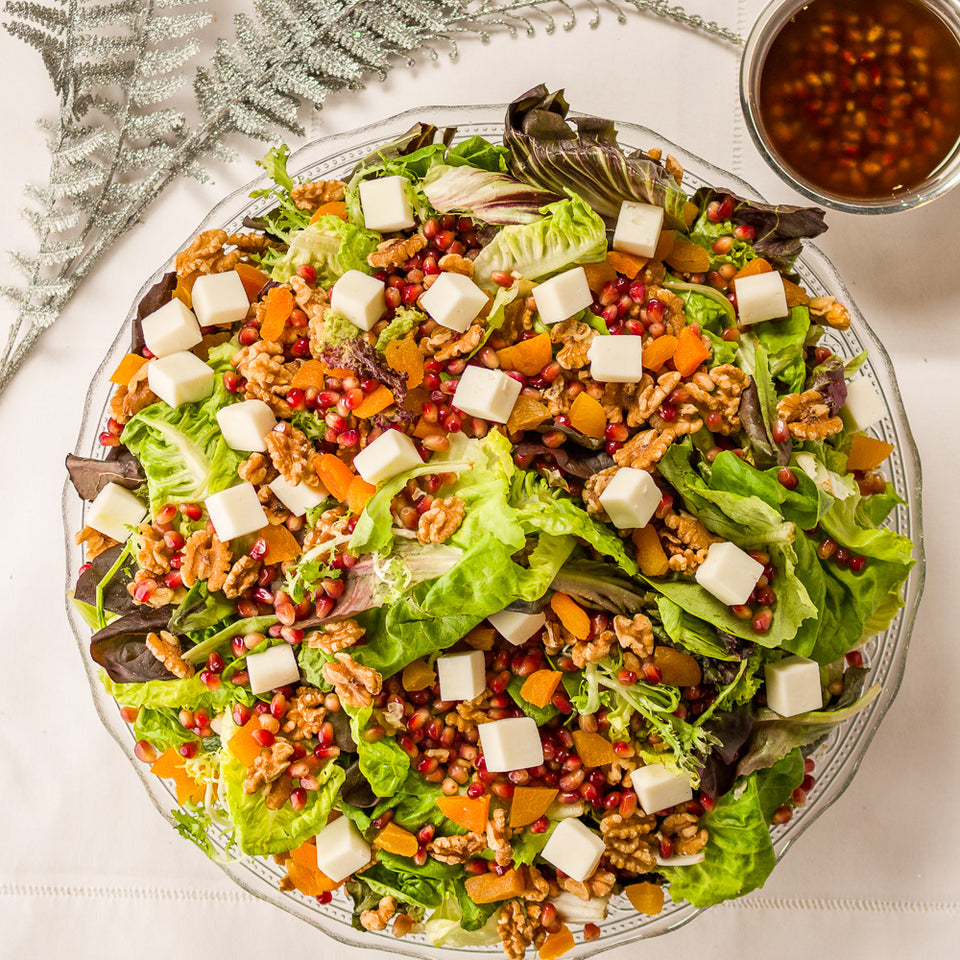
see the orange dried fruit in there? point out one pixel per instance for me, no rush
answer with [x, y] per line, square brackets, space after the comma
[645, 897]
[688, 257]
[404, 356]
[753, 267]
[587, 416]
[335, 475]
[282, 545]
[540, 687]
[657, 352]
[394, 839]
[556, 944]
[489, 888]
[529, 804]
[651, 557]
[628, 264]
[677, 668]
[374, 402]
[278, 307]
[690, 353]
[312, 373]
[527, 414]
[417, 676]
[527, 356]
[600, 274]
[252, 279]
[593, 749]
[126, 368]
[571, 615]
[867, 453]
[466, 812]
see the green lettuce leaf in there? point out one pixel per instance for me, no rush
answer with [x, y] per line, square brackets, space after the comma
[189, 694]
[405, 320]
[784, 341]
[160, 727]
[776, 783]
[739, 854]
[332, 246]
[382, 762]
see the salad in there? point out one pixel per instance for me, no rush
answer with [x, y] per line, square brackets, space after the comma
[490, 534]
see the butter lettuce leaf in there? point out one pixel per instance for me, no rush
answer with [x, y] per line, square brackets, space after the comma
[331, 246]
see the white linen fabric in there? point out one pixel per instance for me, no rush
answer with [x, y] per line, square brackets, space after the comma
[87, 867]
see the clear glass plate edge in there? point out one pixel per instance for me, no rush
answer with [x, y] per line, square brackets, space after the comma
[629, 926]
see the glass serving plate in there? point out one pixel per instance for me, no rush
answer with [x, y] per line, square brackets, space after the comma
[837, 759]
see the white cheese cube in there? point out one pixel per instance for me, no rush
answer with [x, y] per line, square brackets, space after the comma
[516, 628]
[298, 498]
[454, 301]
[658, 788]
[359, 298]
[385, 204]
[219, 298]
[487, 394]
[462, 675]
[638, 228]
[864, 406]
[114, 510]
[562, 296]
[180, 378]
[391, 453]
[760, 297]
[729, 573]
[274, 667]
[575, 849]
[793, 686]
[511, 744]
[616, 359]
[235, 511]
[630, 498]
[341, 850]
[244, 425]
[170, 329]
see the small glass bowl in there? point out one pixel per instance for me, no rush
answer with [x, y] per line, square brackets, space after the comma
[769, 24]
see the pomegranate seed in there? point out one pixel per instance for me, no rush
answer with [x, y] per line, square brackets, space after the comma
[807, 783]
[475, 790]
[349, 438]
[652, 673]
[808, 765]
[666, 849]
[144, 751]
[240, 714]
[248, 336]
[725, 208]
[210, 680]
[627, 677]
[590, 932]
[263, 737]
[143, 590]
[173, 580]
[84, 567]
[762, 621]
[781, 432]
[854, 658]
[298, 319]
[744, 232]
[324, 898]
[444, 239]
[298, 798]
[562, 703]
[231, 382]
[307, 273]
[300, 348]
[856, 564]
[192, 511]
[782, 815]
[799, 796]
[828, 547]
[188, 750]
[787, 478]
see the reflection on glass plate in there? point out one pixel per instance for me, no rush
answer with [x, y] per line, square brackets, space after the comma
[836, 760]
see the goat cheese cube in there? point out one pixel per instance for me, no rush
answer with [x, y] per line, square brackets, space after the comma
[562, 296]
[487, 394]
[515, 627]
[244, 425]
[511, 744]
[385, 204]
[235, 511]
[760, 297]
[391, 453]
[219, 298]
[864, 406]
[180, 378]
[793, 686]
[170, 329]
[638, 228]
[729, 573]
[298, 498]
[616, 359]
[274, 667]
[575, 849]
[341, 850]
[658, 788]
[114, 510]
[630, 498]
[454, 301]
[462, 675]
[359, 298]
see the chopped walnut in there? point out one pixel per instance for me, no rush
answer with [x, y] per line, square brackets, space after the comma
[537, 887]
[332, 524]
[242, 576]
[807, 416]
[305, 714]
[355, 684]
[205, 558]
[718, 391]
[153, 555]
[498, 837]
[556, 397]
[314, 302]
[277, 793]
[830, 311]
[134, 396]
[291, 454]
[268, 765]
[444, 344]
[268, 377]
[619, 772]
[376, 920]
[593, 650]
[629, 842]
[456, 849]
[598, 884]
[207, 254]
[644, 449]
[256, 469]
[674, 318]
[681, 830]
[313, 193]
[686, 541]
[635, 403]
[95, 541]
[332, 637]
[576, 338]
[556, 635]
[395, 253]
[454, 263]
[166, 648]
[516, 929]
[592, 490]
[441, 520]
[470, 713]
[635, 635]
[674, 168]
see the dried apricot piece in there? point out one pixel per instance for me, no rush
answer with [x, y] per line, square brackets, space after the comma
[587, 416]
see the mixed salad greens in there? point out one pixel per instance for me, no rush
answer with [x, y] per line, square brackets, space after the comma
[628, 661]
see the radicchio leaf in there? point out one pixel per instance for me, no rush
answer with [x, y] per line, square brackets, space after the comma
[780, 229]
[583, 468]
[115, 596]
[733, 730]
[828, 380]
[547, 152]
[356, 790]
[600, 585]
[767, 451]
[362, 358]
[90, 476]
[121, 648]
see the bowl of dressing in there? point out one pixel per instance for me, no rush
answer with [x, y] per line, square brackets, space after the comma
[856, 103]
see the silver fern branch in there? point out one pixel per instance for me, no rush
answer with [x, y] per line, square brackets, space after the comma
[106, 173]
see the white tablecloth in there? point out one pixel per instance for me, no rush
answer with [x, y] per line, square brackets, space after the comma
[87, 867]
